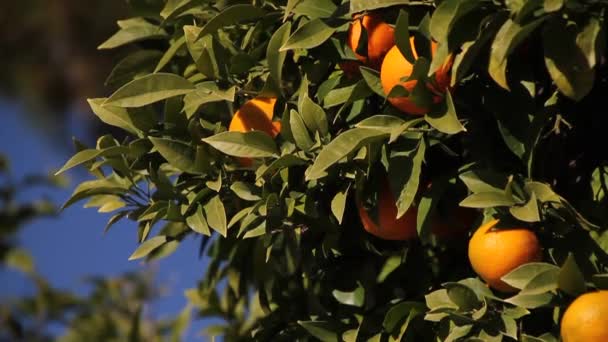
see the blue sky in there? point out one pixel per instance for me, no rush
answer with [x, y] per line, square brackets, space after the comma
[72, 245]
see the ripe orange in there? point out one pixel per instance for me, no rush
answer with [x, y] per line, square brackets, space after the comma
[585, 319]
[395, 66]
[255, 115]
[493, 254]
[388, 226]
[380, 38]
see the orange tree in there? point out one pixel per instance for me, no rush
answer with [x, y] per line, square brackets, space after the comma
[338, 216]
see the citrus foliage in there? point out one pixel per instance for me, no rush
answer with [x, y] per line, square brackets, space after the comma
[514, 132]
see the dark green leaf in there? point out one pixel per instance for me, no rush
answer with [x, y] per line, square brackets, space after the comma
[179, 154]
[372, 79]
[567, 64]
[448, 12]
[444, 117]
[404, 176]
[339, 148]
[402, 40]
[364, 5]
[230, 16]
[309, 35]
[314, 117]
[252, 144]
[149, 89]
[275, 57]
[142, 30]
[324, 331]
[510, 35]
[571, 279]
[137, 64]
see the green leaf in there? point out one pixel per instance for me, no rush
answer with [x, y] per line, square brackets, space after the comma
[284, 161]
[171, 51]
[206, 92]
[245, 191]
[309, 35]
[275, 57]
[404, 175]
[462, 296]
[528, 212]
[397, 314]
[179, 154]
[457, 332]
[542, 191]
[116, 116]
[372, 79]
[439, 300]
[141, 31]
[566, 63]
[90, 154]
[510, 35]
[216, 215]
[352, 298]
[137, 64]
[389, 266]
[174, 7]
[402, 40]
[522, 275]
[530, 301]
[338, 203]
[444, 118]
[254, 144]
[357, 6]
[542, 283]
[315, 8]
[198, 223]
[314, 117]
[483, 181]
[147, 247]
[383, 123]
[571, 280]
[230, 16]
[324, 331]
[487, 200]
[591, 40]
[149, 89]
[447, 14]
[342, 146]
[299, 131]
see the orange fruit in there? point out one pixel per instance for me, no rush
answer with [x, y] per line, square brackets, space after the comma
[395, 66]
[380, 38]
[586, 318]
[494, 253]
[388, 226]
[255, 115]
